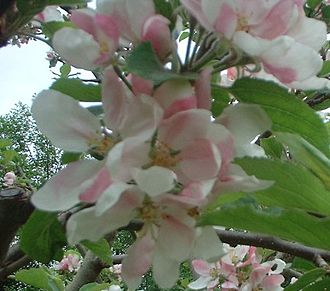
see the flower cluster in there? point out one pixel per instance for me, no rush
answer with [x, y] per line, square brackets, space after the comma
[240, 269]
[70, 262]
[9, 179]
[160, 157]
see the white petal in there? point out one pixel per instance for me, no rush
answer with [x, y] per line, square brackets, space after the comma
[245, 122]
[165, 270]
[67, 124]
[155, 180]
[110, 196]
[253, 46]
[200, 283]
[208, 246]
[62, 191]
[77, 47]
[86, 224]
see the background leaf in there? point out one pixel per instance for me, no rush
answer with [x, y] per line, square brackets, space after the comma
[43, 237]
[78, 89]
[294, 225]
[288, 113]
[101, 249]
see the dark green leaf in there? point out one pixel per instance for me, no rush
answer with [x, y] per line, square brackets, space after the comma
[322, 285]
[68, 157]
[272, 147]
[183, 35]
[302, 264]
[101, 249]
[293, 224]
[326, 11]
[220, 101]
[78, 89]
[95, 287]
[65, 70]
[288, 113]
[5, 142]
[40, 278]
[306, 279]
[325, 68]
[49, 28]
[96, 109]
[144, 63]
[43, 237]
[294, 186]
[309, 156]
[313, 3]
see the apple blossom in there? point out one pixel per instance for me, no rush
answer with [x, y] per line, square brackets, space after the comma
[276, 32]
[9, 179]
[70, 262]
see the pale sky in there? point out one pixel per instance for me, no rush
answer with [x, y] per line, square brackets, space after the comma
[24, 71]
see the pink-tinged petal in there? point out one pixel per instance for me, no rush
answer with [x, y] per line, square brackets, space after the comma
[286, 55]
[180, 105]
[200, 283]
[202, 268]
[62, 191]
[184, 127]
[86, 224]
[77, 47]
[200, 160]
[277, 21]
[101, 182]
[245, 122]
[203, 89]
[138, 13]
[84, 19]
[171, 91]
[237, 180]
[273, 281]
[207, 244]
[226, 22]
[194, 7]
[108, 26]
[110, 196]
[50, 13]
[165, 270]
[155, 180]
[138, 261]
[140, 85]
[142, 122]
[156, 31]
[174, 232]
[114, 100]
[67, 124]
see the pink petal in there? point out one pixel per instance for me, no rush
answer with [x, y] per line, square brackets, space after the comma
[183, 127]
[202, 267]
[135, 265]
[84, 19]
[140, 85]
[273, 281]
[156, 31]
[62, 191]
[203, 89]
[200, 160]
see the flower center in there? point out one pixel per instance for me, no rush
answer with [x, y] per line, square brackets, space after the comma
[162, 155]
[100, 148]
[242, 24]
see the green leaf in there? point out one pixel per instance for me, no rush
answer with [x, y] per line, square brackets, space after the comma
[183, 35]
[288, 113]
[164, 7]
[306, 279]
[309, 156]
[294, 186]
[68, 157]
[43, 237]
[5, 142]
[49, 28]
[302, 264]
[40, 278]
[101, 249]
[326, 11]
[144, 63]
[96, 109]
[294, 225]
[272, 147]
[325, 68]
[78, 89]
[95, 287]
[9, 155]
[322, 285]
[220, 101]
[65, 70]
[313, 3]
